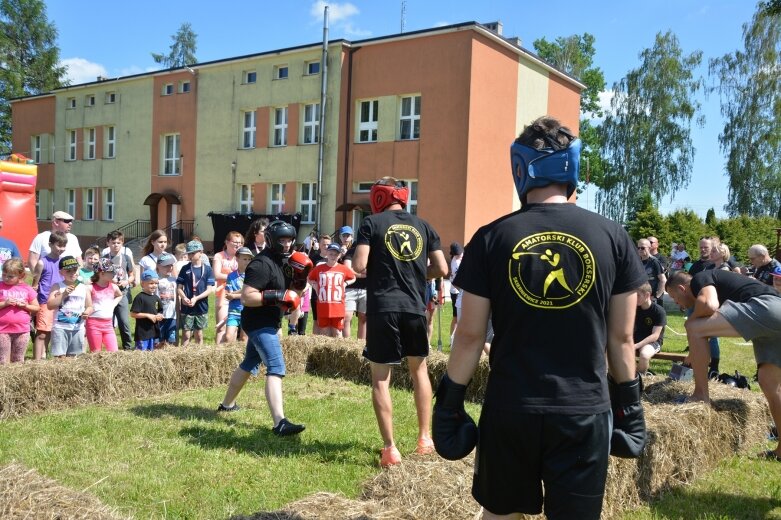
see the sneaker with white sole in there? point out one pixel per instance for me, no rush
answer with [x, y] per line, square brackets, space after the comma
[285, 428]
[223, 408]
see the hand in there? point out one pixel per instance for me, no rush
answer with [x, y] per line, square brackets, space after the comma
[629, 436]
[158, 317]
[69, 289]
[453, 430]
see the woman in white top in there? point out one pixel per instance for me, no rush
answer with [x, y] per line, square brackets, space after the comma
[155, 246]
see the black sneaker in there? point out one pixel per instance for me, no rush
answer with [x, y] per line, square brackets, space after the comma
[292, 331]
[285, 428]
[713, 375]
[649, 373]
[223, 408]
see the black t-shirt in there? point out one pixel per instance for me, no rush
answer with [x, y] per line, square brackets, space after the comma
[647, 319]
[263, 273]
[699, 266]
[359, 283]
[763, 274]
[652, 270]
[662, 261]
[396, 272]
[549, 271]
[316, 257]
[730, 286]
[148, 304]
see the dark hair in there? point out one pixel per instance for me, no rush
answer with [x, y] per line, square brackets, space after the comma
[58, 238]
[254, 229]
[149, 246]
[115, 235]
[546, 132]
[679, 278]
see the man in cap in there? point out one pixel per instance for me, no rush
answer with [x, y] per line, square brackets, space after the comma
[394, 248]
[548, 273]
[39, 247]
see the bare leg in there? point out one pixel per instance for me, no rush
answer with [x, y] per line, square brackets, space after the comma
[348, 321]
[39, 346]
[221, 315]
[698, 330]
[421, 387]
[361, 325]
[381, 400]
[238, 380]
[198, 336]
[274, 398]
[186, 337]
[770, 383]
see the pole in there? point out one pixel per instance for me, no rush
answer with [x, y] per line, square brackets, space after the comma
[440, 302]
[321, 124]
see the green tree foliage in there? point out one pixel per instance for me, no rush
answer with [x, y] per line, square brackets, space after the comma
[646, 221]
[29, 57]
[741, 232]
[749, 84]
[771, 7]
[710, 218]
[684, 226]
[182, 51]
[647, 134]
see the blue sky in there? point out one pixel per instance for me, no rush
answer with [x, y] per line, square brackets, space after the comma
[116, 39]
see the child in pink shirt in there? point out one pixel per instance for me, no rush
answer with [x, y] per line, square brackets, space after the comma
[17, 301]
[105, 296]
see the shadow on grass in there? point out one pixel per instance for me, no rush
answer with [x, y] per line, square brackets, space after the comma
[182, 412]
[713, 505]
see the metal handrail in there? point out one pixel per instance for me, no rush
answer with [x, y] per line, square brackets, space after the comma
[134, 230]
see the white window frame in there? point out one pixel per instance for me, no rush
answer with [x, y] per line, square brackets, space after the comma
[409, 116]
[108, 204]
[311, 126]
[71, 103]
[37, 204]
[70, 195]
[72, 138]
[245, 199]
[412, 201]
[310, 65]
[89, 204]
[111, 142]
[280, 126]
[89, 143]
[248, 119]
[308, 203]
[89, 100]
[37, 149]
[281, 71]
[52, 148]
[276, 198]
[111, 97]
[362, 187]
[51, 196]
[367, 126]
[168, 89]
[171, 158]
[184, 87]
[250, 77]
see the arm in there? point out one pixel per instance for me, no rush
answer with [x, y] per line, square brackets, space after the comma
[37, 274]
[219, 276]
[205, 294]
[662, 283]
[438, 265]
[360, 258]
[620, 344]
[348, 262]
[707, 302]
[87, 304]
[55, 300]
[470, 338]
[656, 331]
[32, 259]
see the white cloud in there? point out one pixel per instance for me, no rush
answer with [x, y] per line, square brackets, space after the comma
[336, 12]
[605, 97]
[80, 70]
[442, 24]
[132, 70]
[354, 32]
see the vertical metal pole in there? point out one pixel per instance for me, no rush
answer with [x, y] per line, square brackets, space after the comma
[321, 127]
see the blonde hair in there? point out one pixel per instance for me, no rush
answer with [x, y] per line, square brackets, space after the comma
[14, 266]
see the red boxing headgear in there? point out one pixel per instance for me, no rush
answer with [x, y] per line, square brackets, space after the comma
[387, 192]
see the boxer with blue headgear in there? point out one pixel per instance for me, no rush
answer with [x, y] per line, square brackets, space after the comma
[543, 154]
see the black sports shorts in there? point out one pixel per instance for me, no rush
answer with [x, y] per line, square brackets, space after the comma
[392, 336]
[517, 453]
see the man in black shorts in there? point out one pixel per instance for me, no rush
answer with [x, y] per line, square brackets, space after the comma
[548, 274]
[393, 249]
[728, 304]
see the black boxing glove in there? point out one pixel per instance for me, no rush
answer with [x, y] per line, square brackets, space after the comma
[454, 432]
[628, 437]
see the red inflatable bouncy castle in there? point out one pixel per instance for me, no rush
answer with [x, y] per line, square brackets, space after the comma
[17, 200]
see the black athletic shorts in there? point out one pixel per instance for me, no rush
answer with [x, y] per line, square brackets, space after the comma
[392, 336]
[517, 453]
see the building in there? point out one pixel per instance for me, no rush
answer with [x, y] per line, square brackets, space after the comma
[438, 108]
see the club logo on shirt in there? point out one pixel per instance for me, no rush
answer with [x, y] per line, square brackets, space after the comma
[404, 242]
[648, 321]
[551, 270]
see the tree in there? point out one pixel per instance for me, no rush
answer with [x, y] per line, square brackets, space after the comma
[29, 57]
[771, 7]
[647, 221]
[685, 226]
[710, 218]
[647, 134]
[749, 84]
[182, 49]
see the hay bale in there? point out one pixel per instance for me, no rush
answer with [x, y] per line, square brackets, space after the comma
[324, 506]
[24, 493]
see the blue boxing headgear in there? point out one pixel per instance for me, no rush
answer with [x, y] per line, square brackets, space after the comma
[534, 168]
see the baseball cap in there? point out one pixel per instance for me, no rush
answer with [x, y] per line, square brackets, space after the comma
[345, 230]
[244, 251]
[456, 249]
[61, 215]
[334, 247]
[776, 271]
[104, 265]
[68, 262]
[149, 275]
[193, 246]
[166, 259]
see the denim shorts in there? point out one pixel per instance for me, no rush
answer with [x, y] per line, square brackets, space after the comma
[263, 347]
[168, 330]
[67, 342]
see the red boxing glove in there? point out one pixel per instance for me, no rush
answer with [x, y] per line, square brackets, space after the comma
[298, 267]
[286, 299]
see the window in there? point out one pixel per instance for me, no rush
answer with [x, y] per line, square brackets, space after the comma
[280, 72]
[250, 76]
[248, 135]
[409, 120]
[308, 202]
[313, 67]
[367, 128]
[38, 204]
[277, 198]
[111, 97]
[71, 205]
[51, 194]
[71, 146]
[412, 203]
[171, 158]
[362, 187]
[89, 101]
[51, 148]
[37, 141]
[71, 103]
[311, 123]
[108, 204]
[245, 199]
[89, 141]
[280, 126]
[111, 142]
[168, 89]
[89, 204]
[184, 87]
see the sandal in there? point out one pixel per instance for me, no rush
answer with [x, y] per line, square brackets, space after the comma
[769, 455]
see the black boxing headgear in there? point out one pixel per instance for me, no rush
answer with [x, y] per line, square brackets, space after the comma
[276, 231]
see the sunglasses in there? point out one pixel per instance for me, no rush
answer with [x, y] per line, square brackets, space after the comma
[66, 220]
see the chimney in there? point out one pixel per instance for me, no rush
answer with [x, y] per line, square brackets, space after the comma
[101, 78]
[494, 27]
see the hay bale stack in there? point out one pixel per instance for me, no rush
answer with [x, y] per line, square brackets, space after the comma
[325, 506]
[24, 493]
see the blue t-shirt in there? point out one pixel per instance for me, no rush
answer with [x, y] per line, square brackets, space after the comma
[8, 250]
[194, 281]
[234, 283]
